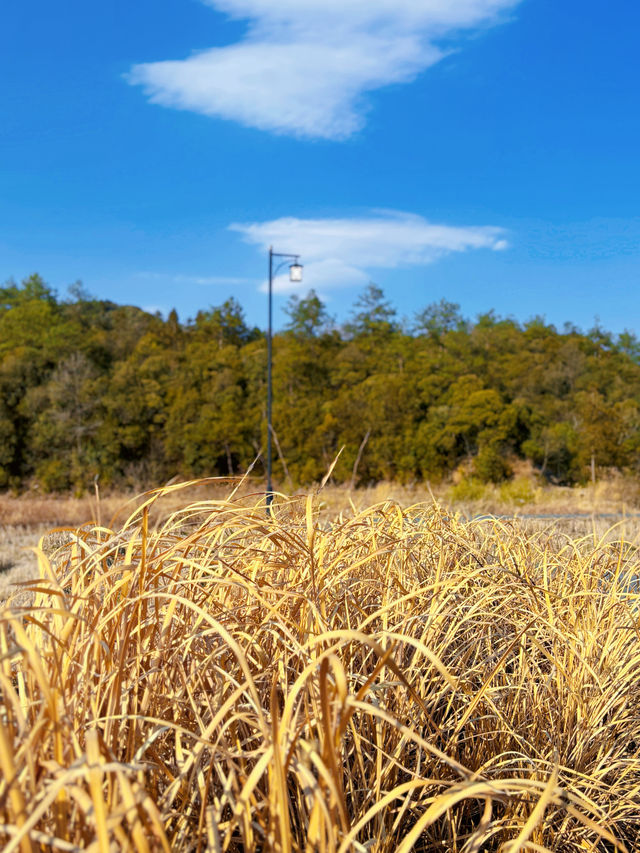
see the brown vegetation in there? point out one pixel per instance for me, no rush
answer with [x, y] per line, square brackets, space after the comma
[220, 680]
[25, 519]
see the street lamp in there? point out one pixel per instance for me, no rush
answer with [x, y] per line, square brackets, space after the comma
[295, 275]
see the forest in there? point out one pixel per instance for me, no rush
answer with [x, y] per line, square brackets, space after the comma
[91, 389]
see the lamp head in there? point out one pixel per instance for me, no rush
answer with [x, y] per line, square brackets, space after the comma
[295, 272]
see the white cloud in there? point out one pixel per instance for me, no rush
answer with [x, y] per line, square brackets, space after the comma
[209, 280]
[340, 252]
[305, 65]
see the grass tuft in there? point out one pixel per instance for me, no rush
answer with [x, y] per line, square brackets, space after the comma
[390, 680]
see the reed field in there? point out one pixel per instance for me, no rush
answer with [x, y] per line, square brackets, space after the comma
[194, 675]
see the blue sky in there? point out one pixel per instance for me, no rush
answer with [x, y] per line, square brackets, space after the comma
[482, 151]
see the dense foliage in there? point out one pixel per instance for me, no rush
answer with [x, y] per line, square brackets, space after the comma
[90, 388]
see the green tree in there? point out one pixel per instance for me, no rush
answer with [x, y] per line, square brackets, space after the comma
[438, 318]
[68, 417]
[373, 315]
[225, 324]
[308, 316]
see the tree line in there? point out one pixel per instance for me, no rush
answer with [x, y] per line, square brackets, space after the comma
[89, 388]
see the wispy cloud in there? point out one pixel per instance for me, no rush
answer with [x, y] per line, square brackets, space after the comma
[213, 280]
[204, 280]
[305, 65]
[341, 252]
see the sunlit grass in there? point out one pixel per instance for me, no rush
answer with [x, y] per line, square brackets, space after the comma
[392, 679]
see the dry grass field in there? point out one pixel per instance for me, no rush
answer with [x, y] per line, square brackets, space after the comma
[197, 676]
[26, 523]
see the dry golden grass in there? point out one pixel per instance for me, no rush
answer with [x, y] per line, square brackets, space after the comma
[25, 519]
[523, 494]
[35, 510]
[53, 510]
[391, 680]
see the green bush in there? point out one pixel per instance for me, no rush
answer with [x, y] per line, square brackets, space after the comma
[468, 489]
[490, 466]
[53, 475]
[518, 491]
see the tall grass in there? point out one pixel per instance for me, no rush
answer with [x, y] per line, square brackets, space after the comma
[392, 680]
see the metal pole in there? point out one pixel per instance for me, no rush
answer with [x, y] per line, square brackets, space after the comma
[269, 388]
[272, 255]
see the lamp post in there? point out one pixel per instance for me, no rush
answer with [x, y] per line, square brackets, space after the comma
[295, 275]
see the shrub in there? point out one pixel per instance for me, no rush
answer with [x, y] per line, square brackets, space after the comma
[467, 489]
[53, 475]
[519, 491]
[490, 466]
